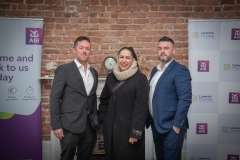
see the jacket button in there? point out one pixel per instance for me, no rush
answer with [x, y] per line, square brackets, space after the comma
[86, 108]
[115, 126]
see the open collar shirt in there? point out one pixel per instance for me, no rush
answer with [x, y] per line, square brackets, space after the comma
[153, 83]
[87, 77]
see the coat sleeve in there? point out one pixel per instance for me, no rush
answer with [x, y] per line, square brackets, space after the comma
[103, 105]
[55, 98]
[184, 92]
[140, 111]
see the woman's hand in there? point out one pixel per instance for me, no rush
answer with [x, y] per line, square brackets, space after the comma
[132, 140]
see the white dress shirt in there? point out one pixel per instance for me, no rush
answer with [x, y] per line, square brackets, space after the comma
[87, 77]
[153, 83]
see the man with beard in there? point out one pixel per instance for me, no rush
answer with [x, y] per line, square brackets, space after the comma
[169, 101]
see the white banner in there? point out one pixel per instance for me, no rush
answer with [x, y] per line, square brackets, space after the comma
[20, 96]
[214, 116]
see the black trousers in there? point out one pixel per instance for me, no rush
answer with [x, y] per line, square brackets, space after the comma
[83, 142]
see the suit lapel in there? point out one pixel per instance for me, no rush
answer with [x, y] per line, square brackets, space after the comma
[168, 69]
[79, 77]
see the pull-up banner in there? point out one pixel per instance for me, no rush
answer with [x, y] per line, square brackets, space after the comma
[214, 115]
[20, 96]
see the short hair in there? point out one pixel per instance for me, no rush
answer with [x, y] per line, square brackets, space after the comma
[166, 39]
[81, 38]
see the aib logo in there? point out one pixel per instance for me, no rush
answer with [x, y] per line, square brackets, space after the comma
[203, 66]
[232, 157]
[34, 36]
[234, 97]
[235, 34]
[202, 128]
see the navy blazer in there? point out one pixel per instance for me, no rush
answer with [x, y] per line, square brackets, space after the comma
[172, 98]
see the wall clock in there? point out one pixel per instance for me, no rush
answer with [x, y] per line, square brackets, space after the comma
[107, 66]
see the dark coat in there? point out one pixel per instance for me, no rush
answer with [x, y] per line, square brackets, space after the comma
[69, 102]
[123, 115]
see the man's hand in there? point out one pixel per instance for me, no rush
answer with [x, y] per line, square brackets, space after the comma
[176, 129]
[132, 140]
[58, 133]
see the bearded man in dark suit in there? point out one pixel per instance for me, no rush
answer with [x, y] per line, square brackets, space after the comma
[73, 104]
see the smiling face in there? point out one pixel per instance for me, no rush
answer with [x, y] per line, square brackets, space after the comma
[82, 51]
[166, 51]
[125, 60]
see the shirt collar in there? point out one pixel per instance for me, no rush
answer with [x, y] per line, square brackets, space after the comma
[164, 67]
[79, 65]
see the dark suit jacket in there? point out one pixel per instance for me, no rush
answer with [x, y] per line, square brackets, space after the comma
[69, 102]
[172, 98]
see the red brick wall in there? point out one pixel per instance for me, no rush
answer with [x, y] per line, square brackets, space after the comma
[112, 24]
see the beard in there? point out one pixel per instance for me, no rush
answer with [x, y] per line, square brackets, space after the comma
[165, 60]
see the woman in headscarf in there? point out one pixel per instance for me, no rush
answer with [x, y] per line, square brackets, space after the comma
[123, 110]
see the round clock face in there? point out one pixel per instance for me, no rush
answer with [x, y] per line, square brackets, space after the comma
[110, 63]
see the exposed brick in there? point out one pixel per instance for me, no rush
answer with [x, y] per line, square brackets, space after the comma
[113, 2]
[131, 8]
[118, 27]
[155, 14]
[115, 8]
[104, 15]
[199, 9]
[5, 6]
[135, 44]
[104, 2]
[110, 40]
[34, 1]
[227, 1]
[166, 8]
[127, 39]
[123, 21]
[14, 1]
[144, 39]
[35, 14]
[135, 27]
[94, 2]
[106, 20]
[145, 8]
[137, 15]
[13, 13]
[123, 2]
[31, 7]
[84, 2]
[123, 15]
[140, 21]
[96, 9]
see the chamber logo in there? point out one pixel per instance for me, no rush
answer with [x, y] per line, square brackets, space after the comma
[227, 67]
[205, 98]
[201, 128]
[235, 34]
[207, 35]
[34, 36]
[195, 34]
[203, 66]
[232, 157]
[194, 98]
[236, 67]
[224, 129]
[234, 97]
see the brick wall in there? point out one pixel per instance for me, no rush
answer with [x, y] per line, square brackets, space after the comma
[112, 24]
